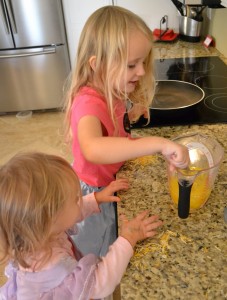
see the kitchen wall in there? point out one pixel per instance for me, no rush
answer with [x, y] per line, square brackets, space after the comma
[218, 29]
[152, 11]
[77, 12]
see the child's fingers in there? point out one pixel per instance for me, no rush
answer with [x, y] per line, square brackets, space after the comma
[114, 199]
[153, 226]
[123, 184]
[172, 168]
[150, 225]
[181, 158]
[150, 234]
[120, 184]
[151, 219]
[121, 180]
[141, 216]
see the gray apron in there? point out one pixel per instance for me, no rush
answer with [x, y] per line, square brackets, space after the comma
[97, 232]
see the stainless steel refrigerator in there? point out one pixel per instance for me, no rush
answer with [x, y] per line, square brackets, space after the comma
[34, 58]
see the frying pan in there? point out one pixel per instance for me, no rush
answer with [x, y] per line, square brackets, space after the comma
[176, 94]
[173, 100]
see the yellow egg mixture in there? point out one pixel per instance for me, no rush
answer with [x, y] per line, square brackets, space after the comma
[200, 191]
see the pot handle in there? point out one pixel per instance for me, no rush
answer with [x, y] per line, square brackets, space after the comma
[184, 198]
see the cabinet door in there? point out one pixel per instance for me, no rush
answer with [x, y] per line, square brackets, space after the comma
[151, 11]
[76, 13]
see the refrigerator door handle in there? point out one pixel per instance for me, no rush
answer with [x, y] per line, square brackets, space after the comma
[49, 50]
[4, 16]
[11, 15]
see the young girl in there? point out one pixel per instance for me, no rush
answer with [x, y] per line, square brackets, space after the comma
[114, 64]
[40, 200]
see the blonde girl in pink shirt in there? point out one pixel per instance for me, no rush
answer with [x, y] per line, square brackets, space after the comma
[40, 202]
[114, 63]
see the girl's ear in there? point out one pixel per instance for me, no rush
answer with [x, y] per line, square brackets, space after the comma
[92, 62]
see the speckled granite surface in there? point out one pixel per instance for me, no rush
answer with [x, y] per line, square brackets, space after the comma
[184, 49]
[188, 258]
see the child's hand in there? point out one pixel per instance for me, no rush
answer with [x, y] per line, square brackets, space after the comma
[107, 194]
[136, 112]
[176, 154]
[139, 228]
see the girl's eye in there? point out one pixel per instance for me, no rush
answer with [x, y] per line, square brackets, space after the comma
[131, 66]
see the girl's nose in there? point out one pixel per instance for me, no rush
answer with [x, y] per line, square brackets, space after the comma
[140, 70]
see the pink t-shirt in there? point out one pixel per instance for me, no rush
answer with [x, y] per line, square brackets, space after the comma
[90, 102]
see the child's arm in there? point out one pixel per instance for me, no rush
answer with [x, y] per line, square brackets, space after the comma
[112, 267]
[107, 150]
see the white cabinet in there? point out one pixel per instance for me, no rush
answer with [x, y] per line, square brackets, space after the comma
[152, 11]
[77, 11]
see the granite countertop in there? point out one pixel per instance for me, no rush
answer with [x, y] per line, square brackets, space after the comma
[188, 257]
[184, 49]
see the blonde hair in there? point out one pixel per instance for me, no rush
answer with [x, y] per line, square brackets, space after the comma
[33, 189]
[105, 36]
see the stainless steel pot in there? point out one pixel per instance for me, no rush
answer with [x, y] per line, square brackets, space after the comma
[189, 29]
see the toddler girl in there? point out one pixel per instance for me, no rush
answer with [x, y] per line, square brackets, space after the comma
[40, 199]
[113, 64]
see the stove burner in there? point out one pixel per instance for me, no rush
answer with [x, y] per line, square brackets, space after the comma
[217, 102]
[212, 82]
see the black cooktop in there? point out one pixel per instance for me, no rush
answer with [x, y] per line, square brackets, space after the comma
[209, 73]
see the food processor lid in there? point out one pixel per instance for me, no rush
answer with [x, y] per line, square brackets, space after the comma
[204, 151]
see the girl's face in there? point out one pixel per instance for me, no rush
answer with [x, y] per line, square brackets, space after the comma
[70, 213]
[139, 48]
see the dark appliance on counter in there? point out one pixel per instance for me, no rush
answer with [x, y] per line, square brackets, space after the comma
[34, 58]
[210, 74]
[208, 3]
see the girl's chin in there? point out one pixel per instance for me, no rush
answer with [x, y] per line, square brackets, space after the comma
[131, 87]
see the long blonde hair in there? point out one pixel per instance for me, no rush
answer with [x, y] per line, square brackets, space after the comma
[105, 36]
[33, 189]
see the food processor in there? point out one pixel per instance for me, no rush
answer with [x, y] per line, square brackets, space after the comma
[190, 188]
